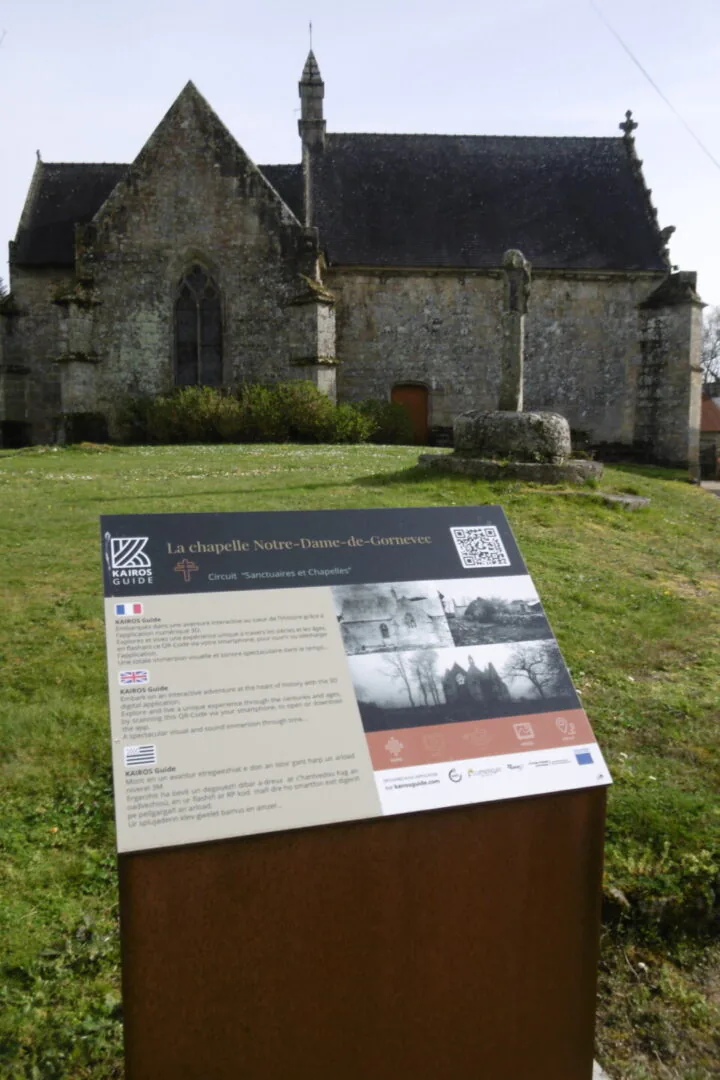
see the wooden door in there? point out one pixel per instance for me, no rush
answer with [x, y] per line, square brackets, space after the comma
[415, 400]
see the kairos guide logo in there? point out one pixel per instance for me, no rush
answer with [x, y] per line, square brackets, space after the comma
[127, 560]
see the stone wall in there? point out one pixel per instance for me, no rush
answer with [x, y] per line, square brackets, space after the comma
[30, 377]
[192, 196]
[439, 329]
[583, 351]
[443, 330]
[669, 390]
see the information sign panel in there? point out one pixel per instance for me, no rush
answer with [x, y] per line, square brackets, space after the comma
[270, 671]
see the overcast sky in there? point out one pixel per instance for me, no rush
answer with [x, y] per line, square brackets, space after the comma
[88, 80]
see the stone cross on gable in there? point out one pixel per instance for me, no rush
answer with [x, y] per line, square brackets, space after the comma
[516, 272]
[628, 125]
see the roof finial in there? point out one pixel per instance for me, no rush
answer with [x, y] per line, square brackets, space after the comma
[38, 155]
[310, 29]
[628, 125]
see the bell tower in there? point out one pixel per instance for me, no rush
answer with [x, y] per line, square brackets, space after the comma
[311, 126]
[312, 91]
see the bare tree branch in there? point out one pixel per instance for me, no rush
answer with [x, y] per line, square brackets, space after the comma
[541, 665]
[423, 665]
[395, 666]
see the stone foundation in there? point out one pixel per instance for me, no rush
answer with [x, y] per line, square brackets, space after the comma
[574, 471]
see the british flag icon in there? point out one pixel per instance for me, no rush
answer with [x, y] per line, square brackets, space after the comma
[135, 677]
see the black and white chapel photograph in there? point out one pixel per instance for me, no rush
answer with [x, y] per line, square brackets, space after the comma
[483, 611]
[417, 687]
[383, 618]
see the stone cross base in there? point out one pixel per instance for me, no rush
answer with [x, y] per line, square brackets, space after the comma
[576, 471]
[530, 436]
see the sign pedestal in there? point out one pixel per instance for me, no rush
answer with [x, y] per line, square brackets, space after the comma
[450, 944]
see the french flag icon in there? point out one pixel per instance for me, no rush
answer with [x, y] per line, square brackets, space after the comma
[128, 609]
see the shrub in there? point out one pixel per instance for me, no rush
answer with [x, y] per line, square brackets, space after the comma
[261, 416]
[186, 416]
[282, 412]
[352, 425]
[134, 419]
[308, 413]
[192, 414]
[227, 419]
[392, 423]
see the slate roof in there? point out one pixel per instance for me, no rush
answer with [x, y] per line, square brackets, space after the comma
[421, 200]
[64, 195]
[461, 201]
[311, 72]
[288, 182]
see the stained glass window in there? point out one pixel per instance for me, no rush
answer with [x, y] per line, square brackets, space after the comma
[198, 331]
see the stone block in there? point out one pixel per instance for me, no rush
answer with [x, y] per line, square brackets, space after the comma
[530, 436]
[576, 471]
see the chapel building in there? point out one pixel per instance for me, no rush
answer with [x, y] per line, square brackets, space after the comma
[380, 621]
[371, 267]
[463, 685]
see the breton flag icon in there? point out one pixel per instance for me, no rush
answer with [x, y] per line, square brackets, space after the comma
[134, 678]
[128, 609]
[140, 755]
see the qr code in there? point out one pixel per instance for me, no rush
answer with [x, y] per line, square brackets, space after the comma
[479, 546]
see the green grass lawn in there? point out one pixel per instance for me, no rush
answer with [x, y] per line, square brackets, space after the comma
[633, 596]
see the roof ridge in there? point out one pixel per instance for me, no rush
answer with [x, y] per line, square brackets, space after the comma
[86, 164]
[460, 135]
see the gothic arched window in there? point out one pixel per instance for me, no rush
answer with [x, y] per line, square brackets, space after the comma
[384, 630]
[410, 621]
[198, 331]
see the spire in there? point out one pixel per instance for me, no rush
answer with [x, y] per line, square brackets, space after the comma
[311, 126]
[312, 92]
[311, 72]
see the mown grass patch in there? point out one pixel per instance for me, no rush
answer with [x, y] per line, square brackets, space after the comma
[632, 595]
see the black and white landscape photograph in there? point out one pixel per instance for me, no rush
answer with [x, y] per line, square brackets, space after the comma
[384, 618]
[484, 611]
[412, 688]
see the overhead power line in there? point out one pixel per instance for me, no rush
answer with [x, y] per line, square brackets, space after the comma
[600, 14]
